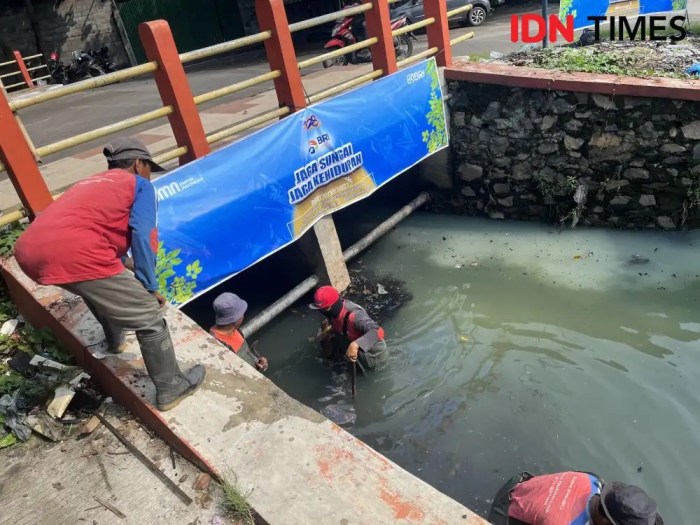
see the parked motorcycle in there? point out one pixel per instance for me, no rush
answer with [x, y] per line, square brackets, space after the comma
[103, 60]
[83, 66]
[342, 36]
[57, 69]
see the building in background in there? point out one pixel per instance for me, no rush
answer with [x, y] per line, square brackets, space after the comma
[44, 26]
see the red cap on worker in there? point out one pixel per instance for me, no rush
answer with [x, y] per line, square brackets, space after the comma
[325, 297]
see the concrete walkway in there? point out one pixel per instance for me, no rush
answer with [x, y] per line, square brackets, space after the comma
[299, 467]
[57, 483]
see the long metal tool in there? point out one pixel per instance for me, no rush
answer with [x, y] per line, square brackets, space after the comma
[353, 376]
[149, 464]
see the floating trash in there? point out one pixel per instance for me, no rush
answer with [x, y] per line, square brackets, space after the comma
[638, 259]
[340, 414]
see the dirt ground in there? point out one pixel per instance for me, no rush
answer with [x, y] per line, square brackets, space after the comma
[57, 483]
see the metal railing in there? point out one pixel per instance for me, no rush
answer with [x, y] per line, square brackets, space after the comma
[22, 71]
[282, 75]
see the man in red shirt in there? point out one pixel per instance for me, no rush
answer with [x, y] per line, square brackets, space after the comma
[349, 320]
[571, 498]
[79, 243]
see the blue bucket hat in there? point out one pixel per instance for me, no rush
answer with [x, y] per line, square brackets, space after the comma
[229, 308]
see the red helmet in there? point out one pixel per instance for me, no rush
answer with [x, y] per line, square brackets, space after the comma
[53, 56]
[325, 297]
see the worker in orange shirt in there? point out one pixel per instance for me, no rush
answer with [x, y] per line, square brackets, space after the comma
[230, 310]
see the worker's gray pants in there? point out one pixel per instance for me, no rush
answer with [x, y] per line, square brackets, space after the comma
[121, 303]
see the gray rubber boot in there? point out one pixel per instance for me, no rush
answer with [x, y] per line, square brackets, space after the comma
[172, 386]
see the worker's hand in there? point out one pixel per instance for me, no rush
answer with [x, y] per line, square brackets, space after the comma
[160, 298]
[262, 364]
[352, 351]
[325, 326]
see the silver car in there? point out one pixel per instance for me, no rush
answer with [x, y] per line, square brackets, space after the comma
[477, 16]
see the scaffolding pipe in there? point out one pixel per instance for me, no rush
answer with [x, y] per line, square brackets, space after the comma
[308, 284]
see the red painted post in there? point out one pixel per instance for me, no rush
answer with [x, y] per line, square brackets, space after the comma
[175, 91]
[23, 69]
[379, 26]
[439, 32]
[280, 53]
[16, 155]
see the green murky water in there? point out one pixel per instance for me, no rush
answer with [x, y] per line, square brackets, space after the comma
[552, 352]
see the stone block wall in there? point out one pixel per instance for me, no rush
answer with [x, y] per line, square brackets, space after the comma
[575, 157]
[64, 26]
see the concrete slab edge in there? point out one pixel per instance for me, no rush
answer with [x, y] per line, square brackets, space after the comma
[534, 78]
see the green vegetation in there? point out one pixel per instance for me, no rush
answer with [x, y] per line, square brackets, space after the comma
[235, 503]
[25, 339]
[565, 6]
[691, 204]
[436, 136]
[642, 62]
[180, 288]
[8, 238]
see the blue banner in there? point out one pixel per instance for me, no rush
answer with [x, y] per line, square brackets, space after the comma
[224, 212]
[582, 9]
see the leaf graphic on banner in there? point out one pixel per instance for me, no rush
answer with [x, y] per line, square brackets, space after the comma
[566, 8]
[436, 136]
[180, 289]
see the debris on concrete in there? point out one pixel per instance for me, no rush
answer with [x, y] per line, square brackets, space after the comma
[89, 426]
[694, 69]
[8, 327]
[46, 426]
[42, 468]
[63, 395]
[174, 488]
[202, 482]
[631, 58]
[114, 510]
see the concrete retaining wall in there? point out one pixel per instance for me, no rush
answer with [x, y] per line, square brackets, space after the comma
[533, 144]
[299, 467]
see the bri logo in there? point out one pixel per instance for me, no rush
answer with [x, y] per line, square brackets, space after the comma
[532, 28]
[415, 77]
[322, 141]
[311, 123]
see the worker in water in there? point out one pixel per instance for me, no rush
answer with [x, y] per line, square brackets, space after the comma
[229, 310]
[349, 320]
[78, 243]
[571, 498]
